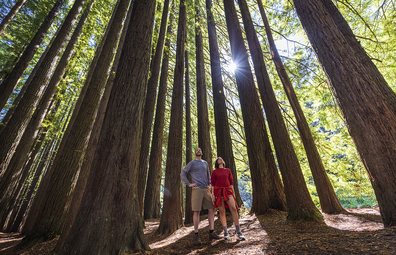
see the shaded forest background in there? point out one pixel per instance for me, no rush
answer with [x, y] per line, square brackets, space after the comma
[372, 22]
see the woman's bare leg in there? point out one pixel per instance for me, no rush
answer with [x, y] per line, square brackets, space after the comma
[223, 219]
[234, 213]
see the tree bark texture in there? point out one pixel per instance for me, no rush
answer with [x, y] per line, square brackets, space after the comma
[267, 186]
[31, 133]
[188, 219]
[11, 14]
[109, 220]
[149, 106]
[93, 142]
[27, 197]
[16, 126]
[223, 136]
[202, 103]
[171, 218]
[328, 199]
[367, 109]
[49, 211]
[152, 205]
[299, 202]
[9, 84]
[18, 194]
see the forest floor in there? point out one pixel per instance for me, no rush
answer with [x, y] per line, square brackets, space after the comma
[359, 231]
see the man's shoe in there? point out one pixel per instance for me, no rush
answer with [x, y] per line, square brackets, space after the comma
[226, 236]
[196, 240]
[213, 235]
[240, 236]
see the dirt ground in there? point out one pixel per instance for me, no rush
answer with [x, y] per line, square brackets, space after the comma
[359, 231]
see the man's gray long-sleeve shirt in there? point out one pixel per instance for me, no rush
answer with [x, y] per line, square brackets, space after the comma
[199, 171]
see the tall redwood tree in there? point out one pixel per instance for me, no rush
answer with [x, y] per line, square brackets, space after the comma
[109, 220]
[171, 218]
[365, 99]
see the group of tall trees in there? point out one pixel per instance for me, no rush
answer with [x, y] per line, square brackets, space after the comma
[93, 116]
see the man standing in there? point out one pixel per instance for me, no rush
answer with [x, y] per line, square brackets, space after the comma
[200, 197]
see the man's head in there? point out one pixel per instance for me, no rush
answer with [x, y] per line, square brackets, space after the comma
[198, 152]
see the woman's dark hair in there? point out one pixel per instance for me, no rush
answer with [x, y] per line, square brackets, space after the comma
[217, 164]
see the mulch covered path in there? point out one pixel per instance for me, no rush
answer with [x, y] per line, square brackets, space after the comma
[360, 231]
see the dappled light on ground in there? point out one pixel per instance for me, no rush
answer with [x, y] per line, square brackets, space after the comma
[358, 231]
[353, 221]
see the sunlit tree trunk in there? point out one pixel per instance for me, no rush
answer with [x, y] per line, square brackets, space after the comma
[364, 98]
[152, 205]
[93, 142]
[12, 133]
[299, 203]
[53, 199]
[109, 219]
[223, 137]
[188, 213]
[328, 200]
[202, 104]
[9, 84]
[31, 133]
[149, 107]
[267, 187]
[171, 218]
[7, 19]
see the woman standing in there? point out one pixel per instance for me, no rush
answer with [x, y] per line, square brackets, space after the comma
[223, 190]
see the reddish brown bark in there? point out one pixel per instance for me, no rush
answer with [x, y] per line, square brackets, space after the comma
[54, 196]
[223, 136]
[109, 220]
[152, 205]
[7, 19]
[328, 199]
[171, 218]
[149, 106]
[363, 97]
[267, 187]
[299, 202]
[188, 212]
[202, 104]
[9, 84]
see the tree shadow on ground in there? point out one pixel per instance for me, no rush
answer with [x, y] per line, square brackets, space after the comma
[182, 240]
[347, 233]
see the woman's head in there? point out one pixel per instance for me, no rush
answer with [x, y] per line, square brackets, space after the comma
[219, 161]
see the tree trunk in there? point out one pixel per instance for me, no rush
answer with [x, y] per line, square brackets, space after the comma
[150, 105]
[93, 142]
[45, 158]
[267, 187]
[328, 199]
[188, 212]
[202, 104]
[13, 185]
[27, 198]
[20, 193]
[7, 19]
[368, 111]
[18, 98]
[152, 203]
[223, 136]
[299, 202]
[9, 84]
[15, 128]
[109, 219]
[31, 133]
[171, 218]
[49, 211]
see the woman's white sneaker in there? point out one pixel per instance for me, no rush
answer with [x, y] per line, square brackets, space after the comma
[240, 236]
